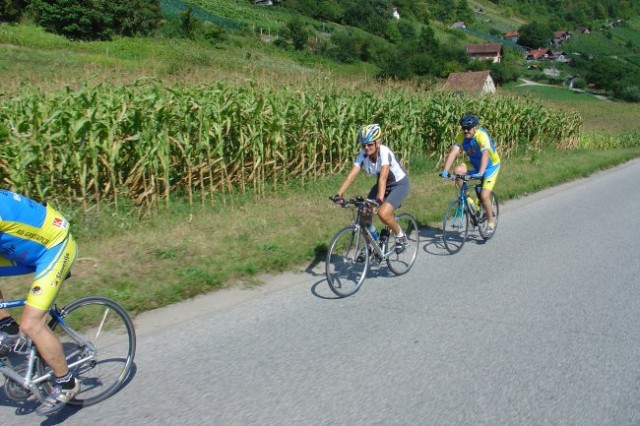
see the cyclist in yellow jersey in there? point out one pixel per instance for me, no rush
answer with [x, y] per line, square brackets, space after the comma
[484, 161]
[35, 238]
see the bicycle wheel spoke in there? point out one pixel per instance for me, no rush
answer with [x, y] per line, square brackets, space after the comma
[347, 262]
[103, 357]
[401, 260]
[455, 227]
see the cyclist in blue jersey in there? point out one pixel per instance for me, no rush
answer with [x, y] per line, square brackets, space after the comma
[483, 161]
[392, 183]
[35, 238]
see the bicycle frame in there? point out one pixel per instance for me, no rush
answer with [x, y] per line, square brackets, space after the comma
[25, 346]
[381, 251]
[464, 206]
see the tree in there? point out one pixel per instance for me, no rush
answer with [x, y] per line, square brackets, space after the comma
[11, 10]
[97, 19]
[371, 15]
[393, 64]
[503, 72]
[298, 32]
[427, 42]
[189, 23]
[134, 17]
[605, 73]
[464, 13]
[534, 35]
[74, 19]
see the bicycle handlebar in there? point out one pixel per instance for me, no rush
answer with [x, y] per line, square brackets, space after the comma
[465, 177]
[356, 201]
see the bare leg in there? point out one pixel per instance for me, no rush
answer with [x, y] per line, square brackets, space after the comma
[385, 212]
[48, 344]
[485, 196]
[461, 169]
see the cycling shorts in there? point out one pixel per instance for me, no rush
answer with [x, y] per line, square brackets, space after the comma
[395, 193]
[490, 176]
[51, 270]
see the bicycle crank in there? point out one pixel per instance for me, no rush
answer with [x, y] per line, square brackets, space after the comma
[13, 389]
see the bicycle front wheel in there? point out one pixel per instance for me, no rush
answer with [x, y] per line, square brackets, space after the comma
[402, 259]
[99, 342]
[347, 261]
[455, 227]
[482, 225]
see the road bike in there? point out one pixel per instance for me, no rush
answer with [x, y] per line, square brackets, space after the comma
[99, 342]
[459, 213]
[354, 248]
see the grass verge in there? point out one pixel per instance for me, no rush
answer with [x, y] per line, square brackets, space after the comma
[182, 251]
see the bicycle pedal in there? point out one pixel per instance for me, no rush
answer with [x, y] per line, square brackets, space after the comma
[22, 346]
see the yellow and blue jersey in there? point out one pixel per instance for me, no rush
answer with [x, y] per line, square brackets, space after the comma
[28, 229]
[475, 146]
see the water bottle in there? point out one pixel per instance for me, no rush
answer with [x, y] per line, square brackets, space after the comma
[471, 204]
[373, 230]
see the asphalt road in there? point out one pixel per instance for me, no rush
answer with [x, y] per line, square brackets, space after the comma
[539, 326]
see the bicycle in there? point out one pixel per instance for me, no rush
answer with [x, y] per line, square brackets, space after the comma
[455, 224]
[99, 342]
[354, 247]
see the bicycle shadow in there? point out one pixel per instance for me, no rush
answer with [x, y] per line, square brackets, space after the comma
[316, 268]
[322, 290]
[433, 245]
[29, 405]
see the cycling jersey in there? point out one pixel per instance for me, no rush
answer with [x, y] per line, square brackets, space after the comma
[35, 238]
[474, 146]
[385, 157]
[28, 229]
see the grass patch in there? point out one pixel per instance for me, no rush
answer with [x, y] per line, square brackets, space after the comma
[184, 251]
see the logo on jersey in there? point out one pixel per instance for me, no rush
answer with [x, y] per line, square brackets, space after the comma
[36, 291]
[60, 222]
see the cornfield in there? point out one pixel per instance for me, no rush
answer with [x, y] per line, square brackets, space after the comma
[149, 142]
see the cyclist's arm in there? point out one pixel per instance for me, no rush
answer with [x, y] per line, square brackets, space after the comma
[382, 181]
[484, 161]
[350, 178]
[453, 153]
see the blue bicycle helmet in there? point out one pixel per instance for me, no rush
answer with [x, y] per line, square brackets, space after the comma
[370, 133]
[469, 120]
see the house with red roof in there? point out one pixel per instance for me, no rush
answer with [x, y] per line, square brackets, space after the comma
[485, 52]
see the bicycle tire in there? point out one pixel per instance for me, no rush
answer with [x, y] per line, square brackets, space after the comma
[110, 331]
[455, 227]
[401, 263]
[482, 227]
[345, 273]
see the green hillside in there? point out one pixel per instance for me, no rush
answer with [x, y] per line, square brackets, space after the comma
[173, 152]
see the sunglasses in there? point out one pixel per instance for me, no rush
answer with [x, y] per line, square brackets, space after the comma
[466, 129]
[369, 145]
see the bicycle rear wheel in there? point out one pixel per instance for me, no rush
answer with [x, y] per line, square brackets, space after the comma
[99, 342]
[482, 222]
[347, 261]
[400, 262]
[455, 227]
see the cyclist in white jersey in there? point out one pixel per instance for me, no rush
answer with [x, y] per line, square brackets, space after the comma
[392, 182]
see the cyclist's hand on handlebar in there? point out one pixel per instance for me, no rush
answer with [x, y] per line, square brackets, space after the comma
[338, 199]
[476, 176]
[444, 174]
[374, 202]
